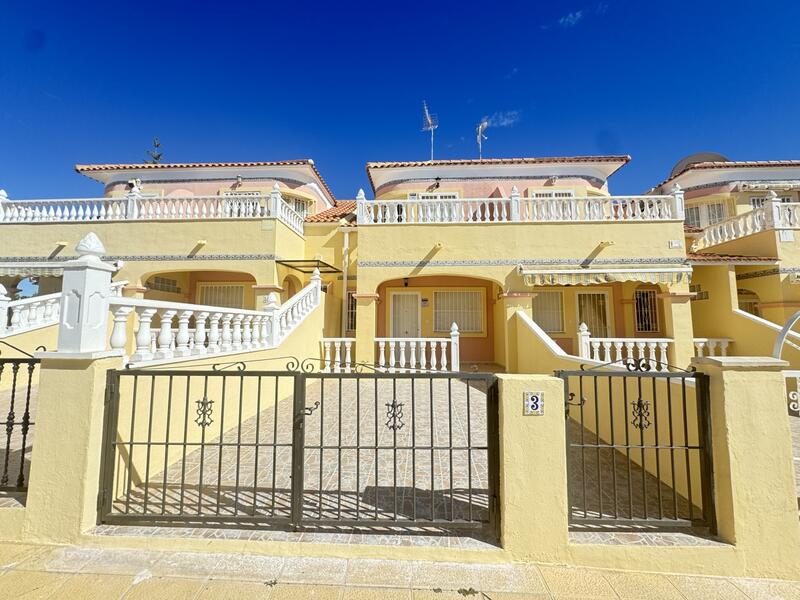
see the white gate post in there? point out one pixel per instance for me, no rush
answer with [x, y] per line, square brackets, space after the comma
[275, 200]
[83, 321]
[271, 311]
[455, 348]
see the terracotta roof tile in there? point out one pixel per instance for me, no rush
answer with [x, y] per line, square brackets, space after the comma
[498, 161]
[735, 164]
[707, 257]
[157, 166]
[342, 209]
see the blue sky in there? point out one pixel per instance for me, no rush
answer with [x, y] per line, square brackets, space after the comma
[343, 83]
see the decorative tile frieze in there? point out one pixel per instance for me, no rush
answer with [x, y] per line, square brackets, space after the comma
[672, 260]
[146, 257]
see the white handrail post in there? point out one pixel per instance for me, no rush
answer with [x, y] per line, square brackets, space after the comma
[455, 350]
[275, 200]
[361, 198]
[772, 211]
[584, 348]
[272, 316]
[678, 210]
[514, 207]
[4, 302]
[83, 321]
[132, 198]
[316, 279]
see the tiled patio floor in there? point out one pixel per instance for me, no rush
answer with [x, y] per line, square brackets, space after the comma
[109, 574]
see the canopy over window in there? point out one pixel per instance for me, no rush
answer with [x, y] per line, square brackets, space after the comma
[535, 276]
[36, 269]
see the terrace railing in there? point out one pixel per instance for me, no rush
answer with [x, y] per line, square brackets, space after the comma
[652, 351]
[206, 329]
[783, 217]
[135, 207]
[27, 314]
[517, 209]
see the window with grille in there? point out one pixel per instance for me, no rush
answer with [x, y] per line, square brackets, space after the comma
[716, 213]
[554, 194]
[433, 196]
[350, 325]
[693, 216]
[164, 284]
[228, 295]
[748, 302]
[646, 311]
[247, 194]
[548, 311]
[462, 307]
[758, 201]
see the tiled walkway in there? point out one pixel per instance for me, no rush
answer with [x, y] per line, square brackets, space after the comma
[32, 572]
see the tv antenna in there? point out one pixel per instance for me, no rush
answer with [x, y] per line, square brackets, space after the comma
[429, 123]
[483, 126]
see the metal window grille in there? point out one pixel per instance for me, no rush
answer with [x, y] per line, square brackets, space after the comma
[351, 312]
[548, 311]
[693, 216]
[592, 311]
[758, 201]
[715, 212]
[748, 302]
[430, 196]
[462, 307]
[554, 194]
[164, 284]
[646, 311]
[247, 194]
[229, 295]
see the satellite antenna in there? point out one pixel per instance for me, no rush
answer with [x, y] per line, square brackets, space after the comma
[429, 123]
[483, 126]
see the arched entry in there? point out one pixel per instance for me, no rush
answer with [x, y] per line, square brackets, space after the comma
[291, 285]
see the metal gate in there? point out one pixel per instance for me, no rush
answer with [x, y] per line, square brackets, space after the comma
[638, 447]
[17, 399]
[298, 448]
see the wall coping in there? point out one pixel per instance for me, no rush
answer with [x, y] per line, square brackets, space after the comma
[742, 363]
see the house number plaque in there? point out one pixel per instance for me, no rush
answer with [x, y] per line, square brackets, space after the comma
[533, 404]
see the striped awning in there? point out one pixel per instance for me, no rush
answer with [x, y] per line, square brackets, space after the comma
[587, 276]
[36, 269]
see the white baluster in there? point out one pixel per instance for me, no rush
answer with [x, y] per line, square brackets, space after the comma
[119, 334]
[165, 334]
[326, 357]
[402, 345]
[347, 355]
[214, 336]
[391, 355]
[236, 342]
[443, 354]
[381, 355]
[662, 356]
[143, 335]
[182, 337]
[247, 332]
[337, 359]
[227, 337]
[199, 346]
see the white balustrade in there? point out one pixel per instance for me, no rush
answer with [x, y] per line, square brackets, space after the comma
[134, 207]
[419, 354]
[711, 346]
[520, 209]
[337, 355]
[206, 329]
[748, 223]
[27, 314]
[620, 350]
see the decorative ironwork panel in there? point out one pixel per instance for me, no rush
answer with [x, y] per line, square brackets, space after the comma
[18, 398]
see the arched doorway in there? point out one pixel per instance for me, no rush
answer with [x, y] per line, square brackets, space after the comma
[291, 285]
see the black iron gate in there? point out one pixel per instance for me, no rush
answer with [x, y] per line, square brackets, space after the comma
[638, 447]
[298, 448]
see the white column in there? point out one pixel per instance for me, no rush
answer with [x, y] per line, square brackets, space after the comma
[272, 317]
[143, 335]
[83, 322]
[275, 200]
[132, 201]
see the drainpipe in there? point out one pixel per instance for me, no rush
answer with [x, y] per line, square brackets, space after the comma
[345, 262]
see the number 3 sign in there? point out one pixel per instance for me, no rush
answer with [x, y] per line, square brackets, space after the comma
[533, 404]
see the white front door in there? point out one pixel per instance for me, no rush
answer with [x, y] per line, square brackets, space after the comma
[593, 310]
[405, 314]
